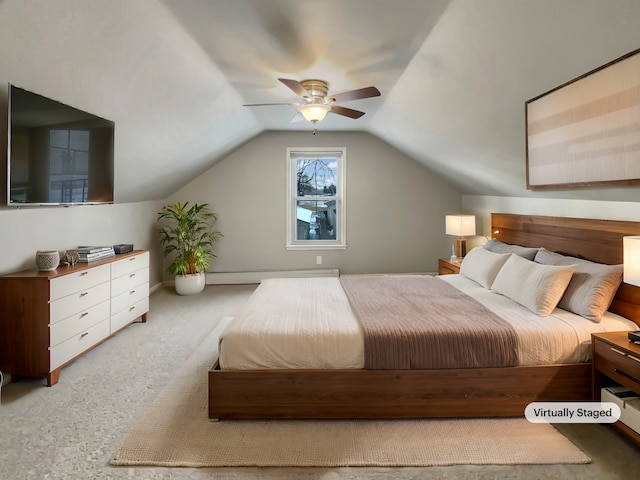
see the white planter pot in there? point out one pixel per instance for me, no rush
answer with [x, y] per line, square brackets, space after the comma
[190, 284]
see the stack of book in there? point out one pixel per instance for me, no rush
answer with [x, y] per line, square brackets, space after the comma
[91, 254]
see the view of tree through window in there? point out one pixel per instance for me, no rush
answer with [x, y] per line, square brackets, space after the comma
[316, 177]
[315, 194]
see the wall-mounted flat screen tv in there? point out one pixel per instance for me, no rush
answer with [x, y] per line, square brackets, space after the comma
[57, 154]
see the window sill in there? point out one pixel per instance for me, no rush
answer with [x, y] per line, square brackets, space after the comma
[316, 247]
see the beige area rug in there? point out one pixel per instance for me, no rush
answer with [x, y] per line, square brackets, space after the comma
[176, 432]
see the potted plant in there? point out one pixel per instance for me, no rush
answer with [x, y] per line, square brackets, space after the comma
[187, 236]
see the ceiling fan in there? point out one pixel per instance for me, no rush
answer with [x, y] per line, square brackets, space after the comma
[317, 102]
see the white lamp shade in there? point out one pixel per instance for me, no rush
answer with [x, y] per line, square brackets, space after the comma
[460, 225]
[314, 112]
[631, 262]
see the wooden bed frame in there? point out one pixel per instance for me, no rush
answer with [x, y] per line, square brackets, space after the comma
[479, 392]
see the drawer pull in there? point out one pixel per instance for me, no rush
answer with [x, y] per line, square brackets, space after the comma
[84, 314]
[84, 294]
[626, 375]
[633, 358]
[132, 259]
[132, 292]
[131, 309]
[84, 334]
[132, 275]
[84, 273]
[618, 351]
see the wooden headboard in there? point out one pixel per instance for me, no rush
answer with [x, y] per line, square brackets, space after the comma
[596, 240]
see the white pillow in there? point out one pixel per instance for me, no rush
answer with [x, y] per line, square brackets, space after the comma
[592, 286]
[497, 246]
[482, 266]
[535, 286]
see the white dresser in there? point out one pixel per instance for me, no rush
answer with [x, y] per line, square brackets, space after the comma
[129, 290]
[48, 319]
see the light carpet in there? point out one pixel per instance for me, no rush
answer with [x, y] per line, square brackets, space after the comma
[176, 432]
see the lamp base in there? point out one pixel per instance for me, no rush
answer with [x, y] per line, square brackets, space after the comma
[461, 247]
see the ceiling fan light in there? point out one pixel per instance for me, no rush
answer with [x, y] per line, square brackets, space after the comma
[314, 112]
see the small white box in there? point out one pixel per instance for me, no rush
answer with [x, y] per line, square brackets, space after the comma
[629, 405]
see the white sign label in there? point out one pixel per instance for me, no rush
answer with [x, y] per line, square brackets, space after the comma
[572, 412]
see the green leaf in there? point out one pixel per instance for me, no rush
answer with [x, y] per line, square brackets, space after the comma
[187, 236]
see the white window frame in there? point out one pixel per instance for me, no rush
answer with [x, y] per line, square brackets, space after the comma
[340, 243]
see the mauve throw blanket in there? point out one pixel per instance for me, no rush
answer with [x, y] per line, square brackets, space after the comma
[422, 322]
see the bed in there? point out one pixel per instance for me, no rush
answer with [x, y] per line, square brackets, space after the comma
[342, 383]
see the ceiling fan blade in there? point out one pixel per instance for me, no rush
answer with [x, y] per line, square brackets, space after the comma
[347, 112]
[268, 104]
[294, 85]
[366, 92]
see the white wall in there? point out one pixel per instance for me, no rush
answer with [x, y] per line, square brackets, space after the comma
[483, 206]
[23, 231]
[395, 207]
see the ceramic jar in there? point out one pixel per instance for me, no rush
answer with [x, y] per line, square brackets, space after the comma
[47, 260]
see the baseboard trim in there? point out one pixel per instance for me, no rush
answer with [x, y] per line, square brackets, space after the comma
[158, 286]
[233, 278]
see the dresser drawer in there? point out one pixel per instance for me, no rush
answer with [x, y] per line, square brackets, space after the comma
[129, 314]
[129, 281]
[128, 298]
[615, 363]
[78, 323]
[129, 265]
[78, 302]
[76, 281]
[74, 346]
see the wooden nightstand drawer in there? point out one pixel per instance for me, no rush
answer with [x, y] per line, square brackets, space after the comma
[618, 364]
[616, 361]
[447, 267]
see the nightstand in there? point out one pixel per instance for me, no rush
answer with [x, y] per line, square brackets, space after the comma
[615, 361]
[447, 267]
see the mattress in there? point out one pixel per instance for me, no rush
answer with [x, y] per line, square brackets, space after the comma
[307, 323]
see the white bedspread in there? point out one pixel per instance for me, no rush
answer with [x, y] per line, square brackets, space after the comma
[307, 323]
[294, 323]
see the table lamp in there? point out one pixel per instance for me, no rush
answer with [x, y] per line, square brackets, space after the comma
[631, 271]
[631, 260]
[460, 226]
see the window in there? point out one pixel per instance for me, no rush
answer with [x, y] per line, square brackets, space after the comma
[315, 198]
[68, 165]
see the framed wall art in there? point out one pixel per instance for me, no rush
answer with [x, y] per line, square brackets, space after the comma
[587, 131]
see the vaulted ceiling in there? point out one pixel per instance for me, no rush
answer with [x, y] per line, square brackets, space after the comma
[174, 74]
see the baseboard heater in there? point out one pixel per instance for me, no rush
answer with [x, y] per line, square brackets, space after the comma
[233, 278]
